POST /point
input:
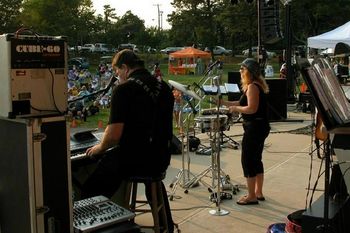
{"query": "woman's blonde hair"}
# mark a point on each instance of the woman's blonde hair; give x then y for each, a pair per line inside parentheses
(253, 68)
(245, 81)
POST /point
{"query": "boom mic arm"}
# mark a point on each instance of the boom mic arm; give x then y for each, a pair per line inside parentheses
(211, 67)
(110, 84)
(199, 87)
(103, 91)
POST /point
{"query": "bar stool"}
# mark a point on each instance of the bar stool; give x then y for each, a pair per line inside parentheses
(157, 207)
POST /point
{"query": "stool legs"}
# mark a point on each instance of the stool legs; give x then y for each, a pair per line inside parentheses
(156, 202)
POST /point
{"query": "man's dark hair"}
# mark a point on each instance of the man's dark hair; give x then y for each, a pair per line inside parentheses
(127, 57)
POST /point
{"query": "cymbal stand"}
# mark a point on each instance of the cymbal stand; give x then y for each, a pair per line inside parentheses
(184, 175)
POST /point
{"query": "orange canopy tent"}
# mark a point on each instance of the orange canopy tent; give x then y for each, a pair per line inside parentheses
(190, 52)
(190, 55)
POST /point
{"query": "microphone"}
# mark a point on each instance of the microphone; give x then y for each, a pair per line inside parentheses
(216, 81)
(110, 84)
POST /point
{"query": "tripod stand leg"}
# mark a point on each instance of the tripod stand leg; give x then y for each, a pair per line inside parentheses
(232, 142)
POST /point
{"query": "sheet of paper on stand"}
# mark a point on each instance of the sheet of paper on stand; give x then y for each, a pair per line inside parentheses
(232, 88)
(228, 87)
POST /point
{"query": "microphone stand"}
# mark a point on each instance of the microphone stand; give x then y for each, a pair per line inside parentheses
(217, 144)
(87, 96)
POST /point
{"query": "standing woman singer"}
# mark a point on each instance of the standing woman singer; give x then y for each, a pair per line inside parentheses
(253, 107)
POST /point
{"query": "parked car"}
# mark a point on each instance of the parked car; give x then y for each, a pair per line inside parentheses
(76, 48)
(78, 62)
(102, 48)
(88, 48)
(132, 47)
(219, 50)
(254, 53)
(169, 50)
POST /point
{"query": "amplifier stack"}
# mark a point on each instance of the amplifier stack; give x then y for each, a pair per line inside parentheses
(33, 75)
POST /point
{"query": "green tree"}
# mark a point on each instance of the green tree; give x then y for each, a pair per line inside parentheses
(313, 17)
(128, 29)
(73, 18)
(9, 11)
(194, 22)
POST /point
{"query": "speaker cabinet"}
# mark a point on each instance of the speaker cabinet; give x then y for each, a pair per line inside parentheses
(313, 218)
(35, 174)
(234, 78)
(270, 23)
(277, 98)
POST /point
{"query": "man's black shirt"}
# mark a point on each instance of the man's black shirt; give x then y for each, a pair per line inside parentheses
(145, 106)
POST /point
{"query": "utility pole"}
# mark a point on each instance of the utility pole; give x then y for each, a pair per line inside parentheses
(159, 15)
(161, 19)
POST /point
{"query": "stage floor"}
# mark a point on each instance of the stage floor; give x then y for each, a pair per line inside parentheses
(287, 169)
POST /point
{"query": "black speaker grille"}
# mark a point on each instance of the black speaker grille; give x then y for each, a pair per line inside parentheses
(270, 23)
(277, 98)
(235, 78)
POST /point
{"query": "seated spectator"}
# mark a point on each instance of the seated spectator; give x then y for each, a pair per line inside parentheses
(93, 109)
(105, 101)
(77, 110)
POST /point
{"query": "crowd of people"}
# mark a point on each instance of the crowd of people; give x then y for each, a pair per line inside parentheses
(84, 91)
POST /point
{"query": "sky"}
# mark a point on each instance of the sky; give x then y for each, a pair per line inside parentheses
(144, 9)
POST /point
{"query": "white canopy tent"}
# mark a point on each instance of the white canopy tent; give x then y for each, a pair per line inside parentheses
(331, 38)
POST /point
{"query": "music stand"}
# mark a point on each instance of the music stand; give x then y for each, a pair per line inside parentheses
(333, 107)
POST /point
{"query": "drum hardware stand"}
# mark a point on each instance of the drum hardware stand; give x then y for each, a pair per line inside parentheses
(217, 173)
(233, 144)
(183, 176)
(218, 211)
(213, 168)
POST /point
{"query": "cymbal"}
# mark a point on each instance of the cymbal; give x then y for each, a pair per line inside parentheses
(184, 89)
